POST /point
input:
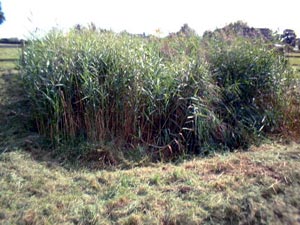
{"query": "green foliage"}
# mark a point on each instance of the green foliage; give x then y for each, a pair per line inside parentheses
(2, 18)
(241, 29)
(169, 95)
(250, 76)
(104, 86)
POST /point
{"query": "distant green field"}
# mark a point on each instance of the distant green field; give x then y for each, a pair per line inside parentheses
(294, 61)
(295, 54)
(7, 55)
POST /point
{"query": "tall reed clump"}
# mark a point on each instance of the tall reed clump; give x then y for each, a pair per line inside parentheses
(102, 86)
(168, 96)
(251, 77)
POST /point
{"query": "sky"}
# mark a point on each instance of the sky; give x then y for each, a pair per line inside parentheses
(25, 17)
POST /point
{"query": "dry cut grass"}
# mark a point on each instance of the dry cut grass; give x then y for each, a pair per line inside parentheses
(261, 186)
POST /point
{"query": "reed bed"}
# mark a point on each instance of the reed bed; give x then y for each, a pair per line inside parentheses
(168, 96)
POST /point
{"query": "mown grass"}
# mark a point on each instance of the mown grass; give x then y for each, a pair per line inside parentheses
(13, 109)
(261, 186)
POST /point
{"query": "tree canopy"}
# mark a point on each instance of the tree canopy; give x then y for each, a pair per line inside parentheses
(289, 37)
(2, 18)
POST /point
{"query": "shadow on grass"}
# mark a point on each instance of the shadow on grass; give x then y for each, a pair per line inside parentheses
(16, 128)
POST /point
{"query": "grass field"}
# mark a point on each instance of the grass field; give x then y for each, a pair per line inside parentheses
(8, 53)
(294, 60)
(260, 186)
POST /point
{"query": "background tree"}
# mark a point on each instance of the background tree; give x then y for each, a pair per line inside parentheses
(186, 31)
(289, 37)
(2, 18)
(240, 29)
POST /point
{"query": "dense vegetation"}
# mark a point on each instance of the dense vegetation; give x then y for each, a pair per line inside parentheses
(159, 97)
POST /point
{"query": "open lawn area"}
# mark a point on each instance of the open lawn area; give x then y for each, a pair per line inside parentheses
(261, 186)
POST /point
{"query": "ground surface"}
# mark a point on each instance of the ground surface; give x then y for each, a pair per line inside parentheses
(260, 186)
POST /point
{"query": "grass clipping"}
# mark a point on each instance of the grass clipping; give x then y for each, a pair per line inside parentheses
(256, 187)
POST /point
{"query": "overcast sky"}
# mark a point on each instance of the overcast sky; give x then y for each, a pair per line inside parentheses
(138, 16)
